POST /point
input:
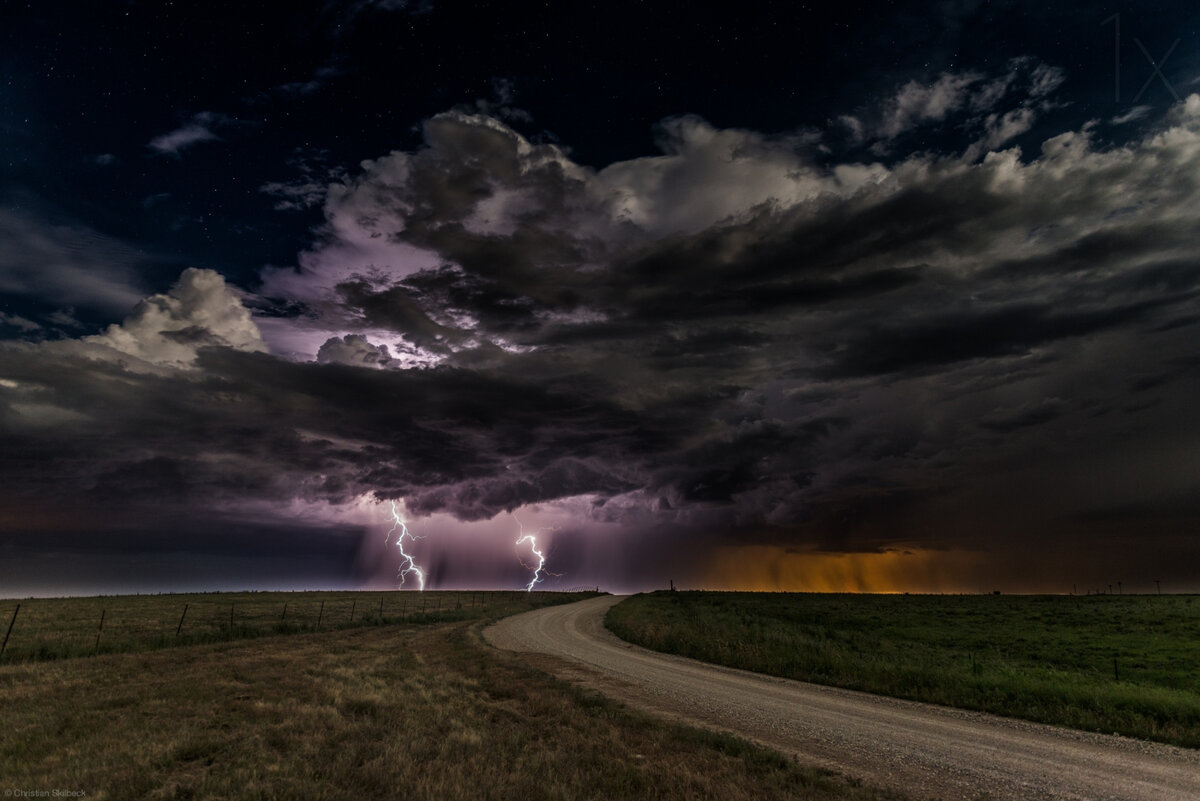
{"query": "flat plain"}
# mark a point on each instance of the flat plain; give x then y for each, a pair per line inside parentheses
(1109, 663)
(414, 706)
(57, 628)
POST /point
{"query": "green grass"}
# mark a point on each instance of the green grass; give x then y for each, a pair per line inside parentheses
(416, 710)
(59, 628)
(1042, 658)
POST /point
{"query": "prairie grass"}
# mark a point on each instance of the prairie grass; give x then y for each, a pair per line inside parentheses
(59, 628)
(413, 711)
(1123, 664)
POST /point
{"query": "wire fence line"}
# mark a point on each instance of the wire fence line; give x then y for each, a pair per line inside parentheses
(54, 628)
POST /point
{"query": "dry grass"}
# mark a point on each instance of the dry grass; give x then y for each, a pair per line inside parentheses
(409, 711)
(59, 628)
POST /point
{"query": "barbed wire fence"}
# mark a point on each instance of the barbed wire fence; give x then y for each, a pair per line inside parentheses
(56, 628)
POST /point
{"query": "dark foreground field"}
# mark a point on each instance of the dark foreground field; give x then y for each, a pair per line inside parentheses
(1125, 664)
(415, 710)
(57, 628)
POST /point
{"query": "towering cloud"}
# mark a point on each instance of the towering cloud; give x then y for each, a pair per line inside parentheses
(199, 311)
(742, 334)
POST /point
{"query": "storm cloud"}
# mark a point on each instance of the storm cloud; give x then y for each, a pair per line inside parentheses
(741, 334)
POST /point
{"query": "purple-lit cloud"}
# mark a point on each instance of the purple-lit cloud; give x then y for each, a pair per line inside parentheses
(741, 337)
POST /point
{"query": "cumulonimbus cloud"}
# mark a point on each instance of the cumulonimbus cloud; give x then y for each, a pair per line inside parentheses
(736, 333)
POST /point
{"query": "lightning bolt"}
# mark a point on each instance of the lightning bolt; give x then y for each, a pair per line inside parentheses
(541, 565)
(409, 565)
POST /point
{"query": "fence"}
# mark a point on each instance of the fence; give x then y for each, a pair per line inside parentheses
(54, 628)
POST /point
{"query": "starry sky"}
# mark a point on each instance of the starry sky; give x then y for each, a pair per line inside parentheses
(781, 296)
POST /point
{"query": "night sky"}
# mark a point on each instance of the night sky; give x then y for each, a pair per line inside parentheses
(865, 297)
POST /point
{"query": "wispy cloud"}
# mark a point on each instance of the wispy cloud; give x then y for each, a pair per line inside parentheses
(18, 322)
(312, 185)
(319, 80)
(417, 7)
(198, 129)
(295, 195)
(999, 107)
(917, 103)
(65, 263)
(1133, 115)
(150, 201)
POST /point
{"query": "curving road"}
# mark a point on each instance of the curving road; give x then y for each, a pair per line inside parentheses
(923, 750)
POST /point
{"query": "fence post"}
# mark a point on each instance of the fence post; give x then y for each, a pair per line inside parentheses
(352, 605)
(1116, 673)
(10, 627)
(283, 617)
(320, 614)
(381, 607)
(179, 628)
(100, 630)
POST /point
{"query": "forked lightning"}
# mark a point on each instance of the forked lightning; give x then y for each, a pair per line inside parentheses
(409, 565)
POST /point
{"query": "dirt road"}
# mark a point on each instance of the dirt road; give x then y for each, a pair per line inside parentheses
(926, 751)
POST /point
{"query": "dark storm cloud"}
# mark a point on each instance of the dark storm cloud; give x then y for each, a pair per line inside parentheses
(1029, 414)
(762, 271)
(732, 333)
(246, 426)
(932, 342)
(919, 274)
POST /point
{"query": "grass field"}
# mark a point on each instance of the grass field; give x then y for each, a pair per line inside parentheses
(414, 710)
(56, 628)
(1126, 664)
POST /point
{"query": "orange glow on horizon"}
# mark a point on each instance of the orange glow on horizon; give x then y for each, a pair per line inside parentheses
(772, 568)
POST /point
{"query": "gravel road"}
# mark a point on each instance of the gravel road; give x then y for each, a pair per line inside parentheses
(926, 751)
